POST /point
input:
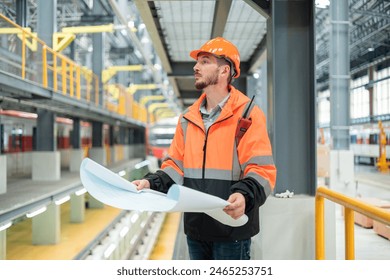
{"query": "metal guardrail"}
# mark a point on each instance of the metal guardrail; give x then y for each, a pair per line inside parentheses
(37, 62)
(28, 57)
(44, 201)
(351, 205)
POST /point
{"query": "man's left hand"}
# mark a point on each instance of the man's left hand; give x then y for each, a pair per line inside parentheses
(237, 205)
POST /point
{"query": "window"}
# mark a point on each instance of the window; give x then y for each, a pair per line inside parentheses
(323, 108)
(381, 92)
(360, 100)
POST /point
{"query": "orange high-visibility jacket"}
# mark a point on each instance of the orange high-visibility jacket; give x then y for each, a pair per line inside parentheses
(210, 162)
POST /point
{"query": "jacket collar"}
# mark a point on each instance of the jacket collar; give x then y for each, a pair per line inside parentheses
(235, 101)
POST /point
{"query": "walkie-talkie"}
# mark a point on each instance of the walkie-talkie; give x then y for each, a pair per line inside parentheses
(244, 123)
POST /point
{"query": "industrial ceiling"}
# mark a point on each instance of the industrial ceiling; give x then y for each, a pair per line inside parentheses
(174, 28)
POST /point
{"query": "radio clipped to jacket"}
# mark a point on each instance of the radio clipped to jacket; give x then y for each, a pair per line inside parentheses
(244, 122)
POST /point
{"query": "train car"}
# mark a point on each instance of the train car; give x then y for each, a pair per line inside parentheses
(18, 139)
(365, 142)
(159, 137)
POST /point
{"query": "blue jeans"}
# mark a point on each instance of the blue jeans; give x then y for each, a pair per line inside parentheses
(230, 250)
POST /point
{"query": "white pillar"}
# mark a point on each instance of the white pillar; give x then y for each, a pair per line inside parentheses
(131, 148)
(3, 174)
(3, 244)
(77, 208)
(126, 152)
(46, 166)
(76, 157)
(113, 151)
(46, 227)
(341, 169)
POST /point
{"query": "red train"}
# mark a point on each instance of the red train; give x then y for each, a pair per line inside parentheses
(159, 136)
(18, 130)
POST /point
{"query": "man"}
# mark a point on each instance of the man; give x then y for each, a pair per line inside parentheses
(206, 155)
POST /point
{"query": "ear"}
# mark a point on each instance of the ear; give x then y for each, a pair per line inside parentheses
(226, 69)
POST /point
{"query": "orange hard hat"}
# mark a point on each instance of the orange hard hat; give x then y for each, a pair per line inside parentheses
(221, 47)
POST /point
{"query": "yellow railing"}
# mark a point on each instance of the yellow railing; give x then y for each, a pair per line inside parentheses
(120, 101)
(351, 205)
(38, 63)
(33, 60)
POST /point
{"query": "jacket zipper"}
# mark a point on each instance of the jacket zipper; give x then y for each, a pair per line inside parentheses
(205, 146)
(205, 141)
(204, 153)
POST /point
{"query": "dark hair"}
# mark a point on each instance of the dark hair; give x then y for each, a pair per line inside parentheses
(223, 61)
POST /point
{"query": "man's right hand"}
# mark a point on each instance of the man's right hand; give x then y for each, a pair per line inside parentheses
(142, 184)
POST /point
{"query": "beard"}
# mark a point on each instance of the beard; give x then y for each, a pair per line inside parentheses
(212, 79)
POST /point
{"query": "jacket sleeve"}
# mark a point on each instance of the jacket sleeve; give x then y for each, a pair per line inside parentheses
(159, 181)
(172, 167)
(255, 156)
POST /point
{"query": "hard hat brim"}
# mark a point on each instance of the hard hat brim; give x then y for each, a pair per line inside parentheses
(194, 54)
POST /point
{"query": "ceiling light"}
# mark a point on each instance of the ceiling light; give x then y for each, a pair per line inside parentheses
(145, 40)
(157, 66)
(80, 192)
(322, 4)
(134, 218)
(5, 226)
(62, 200)
(124, 231)
(36, 212)
(109, 250)
(122, 173)
(133, 240)
(131, 24)
(142, 164)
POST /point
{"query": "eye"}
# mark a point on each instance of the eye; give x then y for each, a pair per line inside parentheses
(203, 60)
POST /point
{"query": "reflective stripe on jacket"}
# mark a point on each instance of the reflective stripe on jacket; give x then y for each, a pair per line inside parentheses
(210, 162)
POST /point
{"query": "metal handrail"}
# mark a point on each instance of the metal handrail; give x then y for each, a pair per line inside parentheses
(351, 205)
(65, 76)
(68, 76)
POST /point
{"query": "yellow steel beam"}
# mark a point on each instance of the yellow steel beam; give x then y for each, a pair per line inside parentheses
(155, 106)
(108, 73)
(30, 40)
(14, 30)
(62, 40)
(135, 87)
(89, 29)
(147, 98)
(164, 112)
(137, 67)
(113, 91)
(23, 34)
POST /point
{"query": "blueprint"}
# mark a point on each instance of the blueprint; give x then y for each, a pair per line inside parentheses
(111, 189)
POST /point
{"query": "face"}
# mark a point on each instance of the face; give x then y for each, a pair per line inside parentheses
(206, 71)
